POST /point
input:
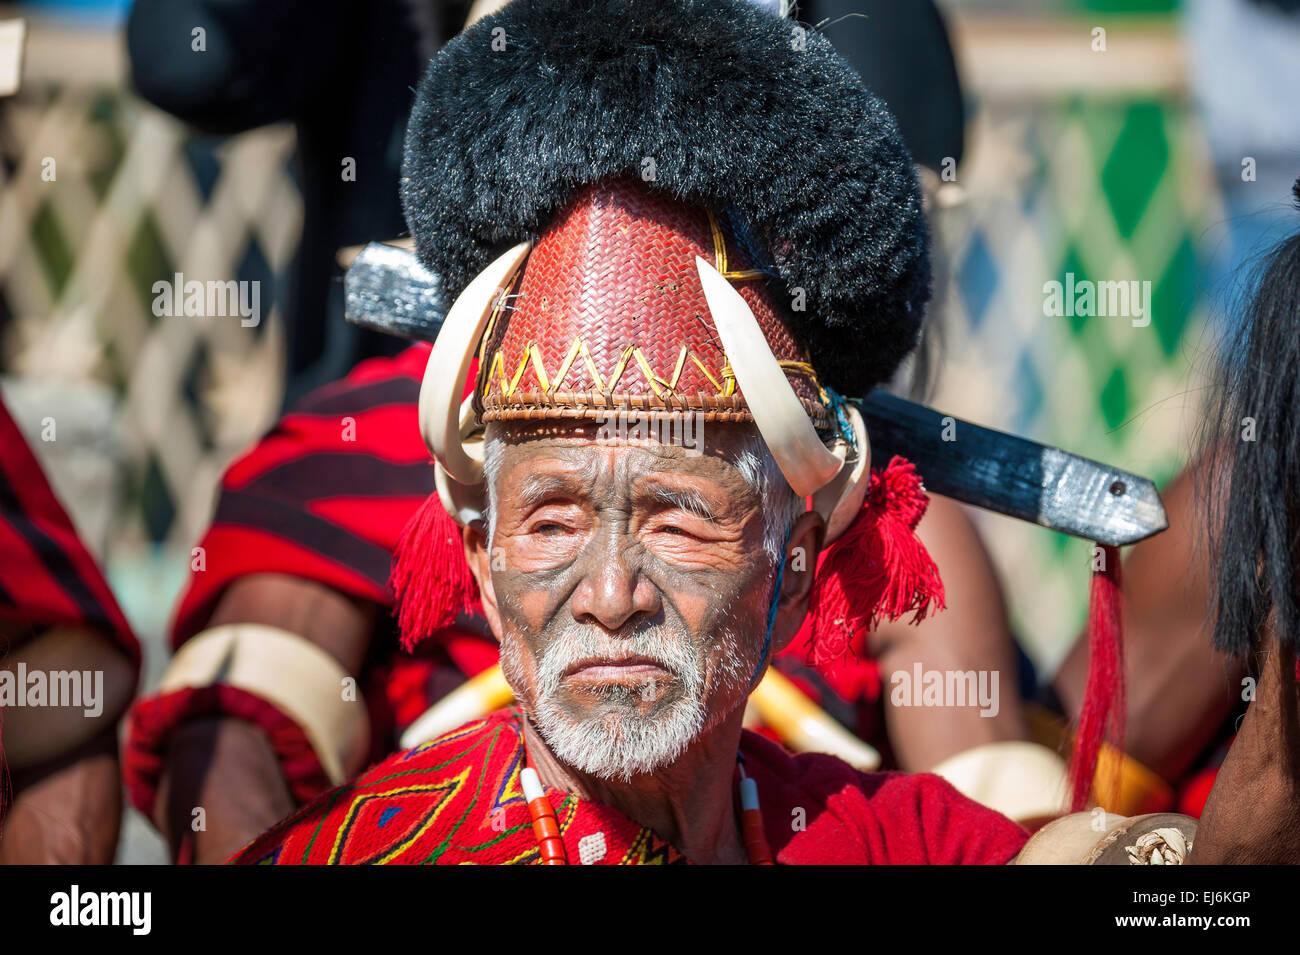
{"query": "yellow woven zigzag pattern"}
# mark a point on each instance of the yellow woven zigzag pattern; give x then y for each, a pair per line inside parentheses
(723, 380)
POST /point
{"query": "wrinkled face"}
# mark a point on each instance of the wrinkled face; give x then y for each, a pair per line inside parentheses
(632, 587)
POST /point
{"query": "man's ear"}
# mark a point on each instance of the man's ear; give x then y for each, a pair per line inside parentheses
(475, 541)
(801, 553)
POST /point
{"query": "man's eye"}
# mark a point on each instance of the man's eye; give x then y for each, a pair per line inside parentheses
(675, 530)
(549, 529)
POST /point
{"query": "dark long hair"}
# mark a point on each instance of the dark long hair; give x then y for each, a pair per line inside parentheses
(1252, 445)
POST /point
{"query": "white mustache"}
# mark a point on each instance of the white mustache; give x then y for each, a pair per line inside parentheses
(575, 644)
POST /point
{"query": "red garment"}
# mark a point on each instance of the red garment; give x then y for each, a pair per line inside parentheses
(47, 576)
(457, 799)
(325, 494)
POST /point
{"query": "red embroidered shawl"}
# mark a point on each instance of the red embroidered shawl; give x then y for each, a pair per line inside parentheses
(457, 799)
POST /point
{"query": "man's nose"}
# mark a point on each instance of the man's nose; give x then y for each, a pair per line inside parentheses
(613, 590)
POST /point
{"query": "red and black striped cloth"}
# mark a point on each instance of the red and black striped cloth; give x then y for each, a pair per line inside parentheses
(47, 576)
(325, 494)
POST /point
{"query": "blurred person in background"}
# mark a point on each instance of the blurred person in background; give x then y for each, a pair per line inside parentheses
(1213, 621)
(1192, 595)
(1251, 495)
(68, 670)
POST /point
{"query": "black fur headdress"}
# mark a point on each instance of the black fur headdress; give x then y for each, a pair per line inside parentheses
(736, 108)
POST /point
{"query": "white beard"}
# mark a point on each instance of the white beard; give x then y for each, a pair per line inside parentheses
(622, 742)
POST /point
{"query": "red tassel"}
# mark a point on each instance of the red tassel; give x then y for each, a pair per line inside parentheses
(430, 578)
(1103, 700)
(877, 569)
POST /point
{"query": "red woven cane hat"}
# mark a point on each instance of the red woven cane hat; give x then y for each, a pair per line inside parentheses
(609, 314)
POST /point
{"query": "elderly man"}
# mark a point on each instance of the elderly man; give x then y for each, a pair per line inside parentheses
(628, 582)
(303, 539)
(630, 596)
(655, 453)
